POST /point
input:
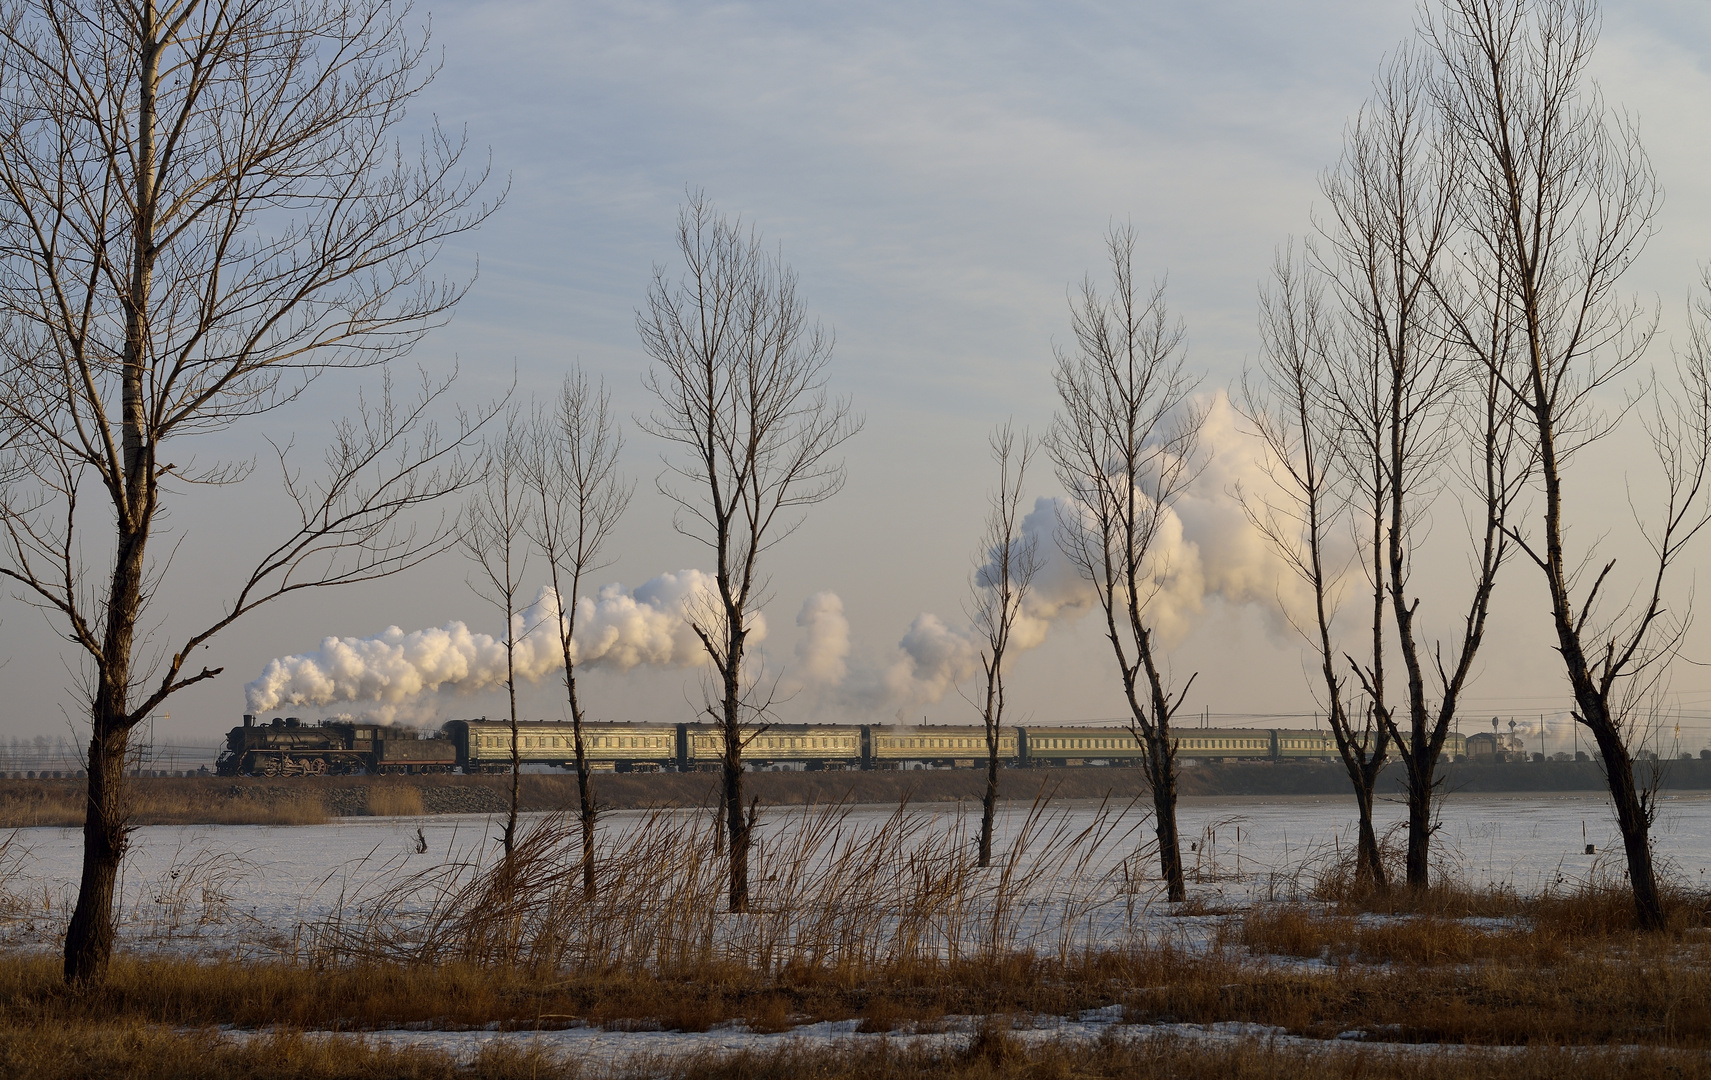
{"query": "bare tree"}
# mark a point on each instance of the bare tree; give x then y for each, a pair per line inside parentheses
(1125, 442)
(1291, 404)
(202, 209)
(494, 534)
(740, 375)
(1008, 561)
(580, 495)
(1414, 407)
(1558, 201)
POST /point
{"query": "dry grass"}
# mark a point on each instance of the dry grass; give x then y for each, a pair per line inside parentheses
(830, 899)
(395, 800)
(892, 924)
(1656, 998)
(13, 855)
(50, 1051)
(1006, 1058)
(1419, 941)
(60, 1052)
(32, 803)
(160, 801)
(1403, 978)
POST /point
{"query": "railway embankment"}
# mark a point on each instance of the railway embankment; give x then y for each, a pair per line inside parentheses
(311, 800)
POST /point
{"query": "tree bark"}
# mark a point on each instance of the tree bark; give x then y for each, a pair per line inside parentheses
(989, 803)
(736, 824)
(1161, 759)
(106, 830)
(1161, 777)
(90, 933)
(587, 815)
(1421, 767)
(1369, 865)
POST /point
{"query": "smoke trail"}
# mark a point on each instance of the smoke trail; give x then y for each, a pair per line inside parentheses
(616, 629)
(823, 649)
(1205, 548)
(932, 658)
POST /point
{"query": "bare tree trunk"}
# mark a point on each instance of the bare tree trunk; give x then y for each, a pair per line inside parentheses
(1125, 442)
(1161, 778)
(516, 752)
(1369, 862)
(1005, 569)
(151, 213)
(736, 824)
(1293, 409)
(1422, 784)
(1161, 759)
(989, 802)
(573, 468)
(740, 378)
(1634, 819)
(587, 816)
(720, 828)
(493, 531)
(1363, 751)
(1560, 201)
(89, 935)
(1405, 390)
(106, 834)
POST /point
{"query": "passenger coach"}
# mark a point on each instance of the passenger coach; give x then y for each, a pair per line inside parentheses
(806, 746)
(485, 745)
(934, 745)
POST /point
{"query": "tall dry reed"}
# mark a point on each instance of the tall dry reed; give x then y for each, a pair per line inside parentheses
(833, 897)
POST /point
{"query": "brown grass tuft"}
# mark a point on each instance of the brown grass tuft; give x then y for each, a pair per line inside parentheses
(994, 1043)
(46, 1051)
(395, 800)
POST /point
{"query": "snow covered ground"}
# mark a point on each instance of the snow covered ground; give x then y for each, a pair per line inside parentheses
(256, 890)
(225, 888)
(596, 1047)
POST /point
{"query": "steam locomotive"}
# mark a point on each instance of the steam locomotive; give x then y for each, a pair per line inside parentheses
(287, 747)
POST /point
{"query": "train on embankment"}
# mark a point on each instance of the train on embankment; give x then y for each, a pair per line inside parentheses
(288, 747)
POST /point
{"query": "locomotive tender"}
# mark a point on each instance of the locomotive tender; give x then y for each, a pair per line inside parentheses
(289, 748)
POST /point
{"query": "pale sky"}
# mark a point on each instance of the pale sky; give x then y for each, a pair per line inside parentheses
(938, 175)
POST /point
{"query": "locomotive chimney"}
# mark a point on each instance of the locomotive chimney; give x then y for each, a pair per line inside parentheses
(249, 719)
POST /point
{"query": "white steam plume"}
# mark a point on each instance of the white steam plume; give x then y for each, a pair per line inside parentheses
(616, 629)
(822, 652)
(1205, 548)
(932, 658)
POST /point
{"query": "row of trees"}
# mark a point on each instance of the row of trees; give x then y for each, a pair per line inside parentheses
(206, 206)
(1452, 335)
(550, 489)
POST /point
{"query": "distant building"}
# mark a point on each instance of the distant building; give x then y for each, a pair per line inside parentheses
(1494, 746)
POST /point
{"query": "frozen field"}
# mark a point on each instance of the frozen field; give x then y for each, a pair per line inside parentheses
(253, 887)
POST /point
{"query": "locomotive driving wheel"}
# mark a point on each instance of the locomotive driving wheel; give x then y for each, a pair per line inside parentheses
(268, 766)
